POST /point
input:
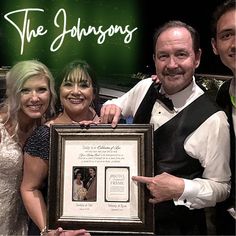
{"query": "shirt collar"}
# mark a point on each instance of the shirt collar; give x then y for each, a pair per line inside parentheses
(185, 96)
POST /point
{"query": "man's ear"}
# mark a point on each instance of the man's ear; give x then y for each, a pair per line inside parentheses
(214, 46)
(198, 58)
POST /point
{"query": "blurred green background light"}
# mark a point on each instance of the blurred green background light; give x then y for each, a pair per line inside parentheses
(111, 57)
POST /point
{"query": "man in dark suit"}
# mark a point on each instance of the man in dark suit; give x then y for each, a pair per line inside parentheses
(224, 45)
(91, 185)
(191, 137)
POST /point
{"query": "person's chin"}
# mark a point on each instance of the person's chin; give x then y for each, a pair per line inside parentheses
(35, 115)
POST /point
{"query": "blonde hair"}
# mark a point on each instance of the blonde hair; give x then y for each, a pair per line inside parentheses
(15, 79)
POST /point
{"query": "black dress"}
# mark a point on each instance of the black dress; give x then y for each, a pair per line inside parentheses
(38, 145)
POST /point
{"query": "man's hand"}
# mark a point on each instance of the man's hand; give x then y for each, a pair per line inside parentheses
(155, 78)
(162, 187)
(110, 114)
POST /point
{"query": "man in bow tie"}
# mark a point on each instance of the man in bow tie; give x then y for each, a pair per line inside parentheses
(191, 142)
(224, 45)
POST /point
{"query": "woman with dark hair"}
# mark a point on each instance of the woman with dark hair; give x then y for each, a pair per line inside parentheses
(77, 70)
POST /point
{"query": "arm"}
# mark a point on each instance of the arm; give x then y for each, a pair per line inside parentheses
(35, 172)
(212, 148)
(110, 113)
(126, 105)
(162, 187)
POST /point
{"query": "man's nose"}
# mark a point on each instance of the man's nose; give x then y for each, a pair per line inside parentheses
(233, 43)
(172, 62)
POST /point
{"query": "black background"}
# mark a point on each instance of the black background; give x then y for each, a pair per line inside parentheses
(196, 13)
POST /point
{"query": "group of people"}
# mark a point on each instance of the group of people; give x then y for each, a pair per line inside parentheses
(26, 116)
(194, 140)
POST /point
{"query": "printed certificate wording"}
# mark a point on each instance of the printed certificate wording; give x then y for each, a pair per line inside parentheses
(117, 184)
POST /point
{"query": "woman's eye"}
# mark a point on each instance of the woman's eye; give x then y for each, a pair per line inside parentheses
(42, 90)
(25, 91)
(68, 84)
(84, 84)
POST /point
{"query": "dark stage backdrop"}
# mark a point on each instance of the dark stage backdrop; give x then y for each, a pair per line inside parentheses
(114, 36)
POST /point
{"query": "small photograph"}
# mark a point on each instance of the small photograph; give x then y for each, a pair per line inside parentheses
(79, 191)
(84, 183)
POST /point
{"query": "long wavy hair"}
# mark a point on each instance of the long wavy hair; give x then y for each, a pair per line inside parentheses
(15, 79)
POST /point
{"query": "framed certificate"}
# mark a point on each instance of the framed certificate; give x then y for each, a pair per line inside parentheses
(90, 183)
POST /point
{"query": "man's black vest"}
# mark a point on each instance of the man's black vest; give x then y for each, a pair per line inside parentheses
(170, 157)
(223, 99)
(225, 224)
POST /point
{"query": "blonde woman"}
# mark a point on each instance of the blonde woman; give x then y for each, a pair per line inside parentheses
(30, 100)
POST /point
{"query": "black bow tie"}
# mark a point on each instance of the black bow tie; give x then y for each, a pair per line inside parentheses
(165, 100)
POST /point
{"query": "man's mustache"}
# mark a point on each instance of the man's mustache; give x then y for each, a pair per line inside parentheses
(173, 72)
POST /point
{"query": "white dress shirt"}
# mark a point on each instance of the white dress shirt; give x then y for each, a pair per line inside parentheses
(209, 143)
